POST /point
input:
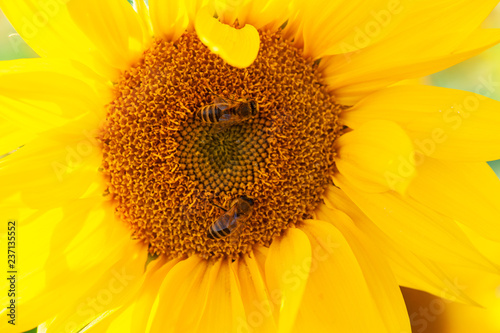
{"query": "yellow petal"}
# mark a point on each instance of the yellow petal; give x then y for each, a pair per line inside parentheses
(294, 28)
(182, 296)
(254, 294)
(81, 231)
(238, 47)
(378, 275)
(40, 94)
(228, 11)
(271, 14)
(119, 320)
(483, 287)
(107, 39)
(466, 192)
(169, 18)
(260, 254)
(192, 8)
(117, 285)
(48, 173)
(409, 269)
(134, 316)
(416, 227)
(35, 284)
(147, 26)
(224, 311)
(470, 280)
(336, 295)
(62, 245)
(13, 137)
(345, 26)
(376, 157)
(442, 123)
(355, 75)
(114, 28)
(145, 301)
(287, 270)
(358, 24)
(259, 13)
(32, 219)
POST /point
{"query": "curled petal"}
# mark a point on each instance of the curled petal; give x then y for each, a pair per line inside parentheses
(238, 47)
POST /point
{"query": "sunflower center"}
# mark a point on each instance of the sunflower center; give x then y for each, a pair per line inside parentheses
(188, 182)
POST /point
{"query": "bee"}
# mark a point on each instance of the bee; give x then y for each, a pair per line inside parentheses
(230, 223)
(227, 111)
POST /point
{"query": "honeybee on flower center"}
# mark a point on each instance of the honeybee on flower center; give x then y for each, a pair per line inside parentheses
(233, 219)
(227, 111)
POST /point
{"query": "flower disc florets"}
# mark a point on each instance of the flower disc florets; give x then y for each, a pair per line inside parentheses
(167, 170)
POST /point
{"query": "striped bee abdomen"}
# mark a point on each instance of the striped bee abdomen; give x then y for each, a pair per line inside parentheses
(209, 114)
(221, 228)
(216, 234)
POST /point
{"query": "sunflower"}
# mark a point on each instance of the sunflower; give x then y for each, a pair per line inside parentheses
(127, 190)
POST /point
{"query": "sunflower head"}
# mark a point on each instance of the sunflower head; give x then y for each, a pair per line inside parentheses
(173, 166)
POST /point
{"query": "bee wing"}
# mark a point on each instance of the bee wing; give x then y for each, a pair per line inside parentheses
(239, 225)
(235, 225)
(233, 217)
(226, 118)
(221, 103)
(225, 224)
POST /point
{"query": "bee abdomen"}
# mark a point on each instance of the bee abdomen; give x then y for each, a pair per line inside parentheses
(215, 232)
(209, 114)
